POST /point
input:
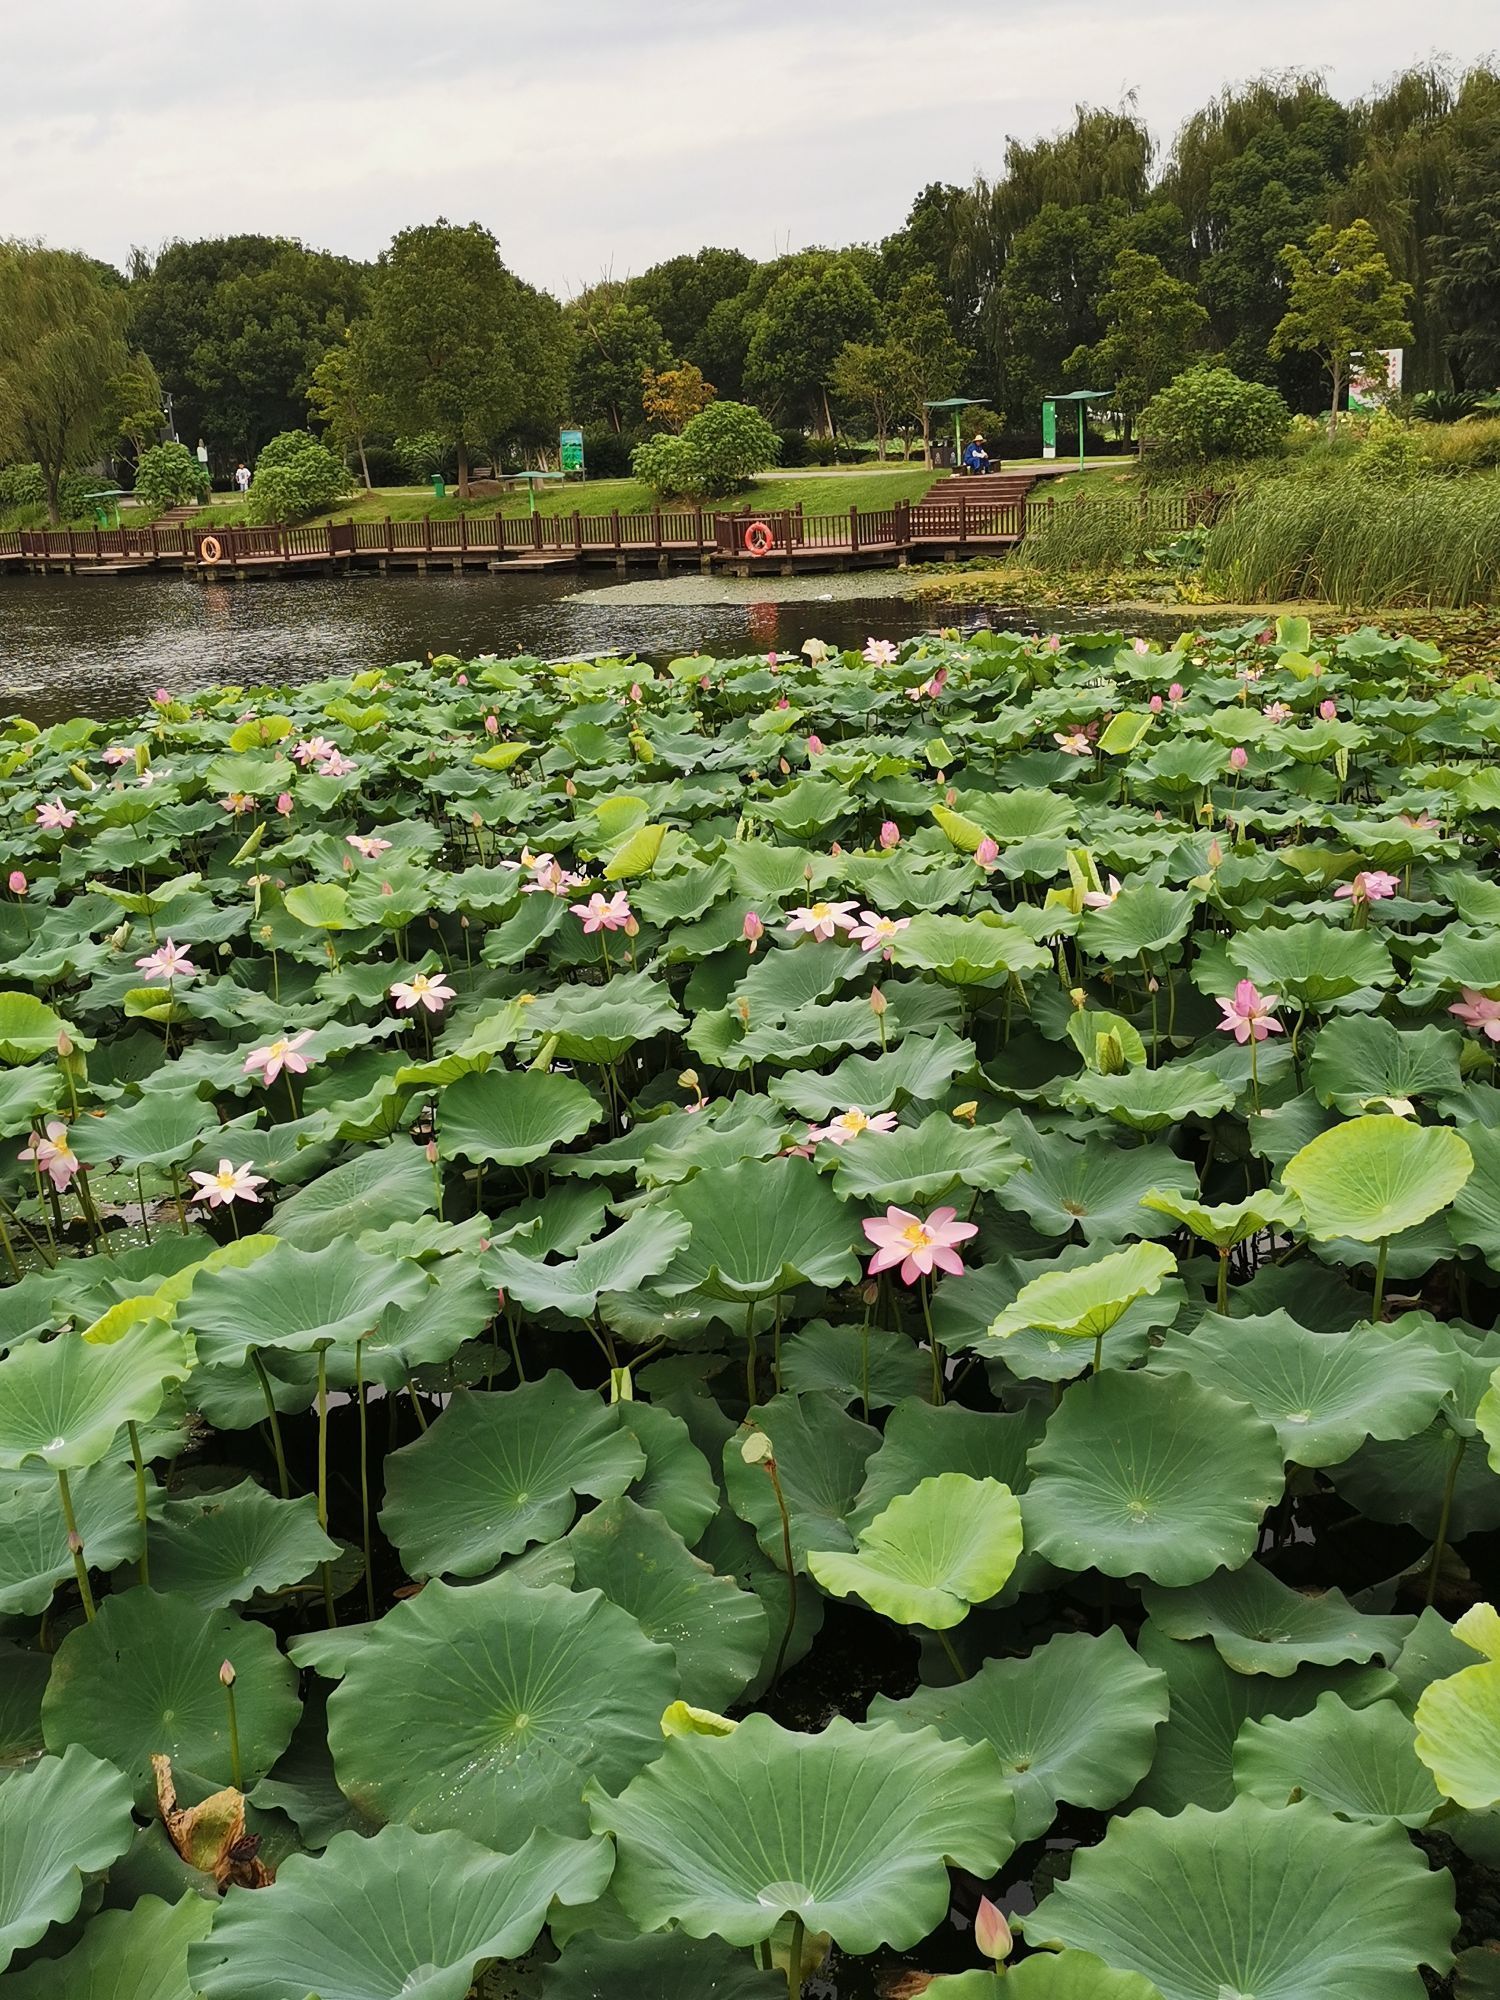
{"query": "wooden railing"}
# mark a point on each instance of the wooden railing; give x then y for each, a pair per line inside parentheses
(933, 525)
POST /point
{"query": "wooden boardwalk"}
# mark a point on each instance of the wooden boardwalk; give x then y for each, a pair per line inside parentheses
(931, 530)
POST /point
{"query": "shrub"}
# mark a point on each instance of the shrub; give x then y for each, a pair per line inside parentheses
(386, 468)
(1443, 406)
(295, 476)
(169, 475)
(606, 453)
(1391, 453)
(794, 447)
(424, 453)
(22, 486)
(1470, 446)
(723, 447)
(1211, 413)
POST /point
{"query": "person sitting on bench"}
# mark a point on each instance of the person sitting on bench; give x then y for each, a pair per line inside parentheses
(976, 458)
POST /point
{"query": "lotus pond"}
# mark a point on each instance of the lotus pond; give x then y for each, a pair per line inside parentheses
(813, 1325)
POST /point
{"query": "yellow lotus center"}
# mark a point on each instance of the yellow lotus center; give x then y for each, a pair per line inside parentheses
(224, 1180)
(851, 1121)
(276, 1049)
(917, 1236)
(820, 910)
(421, 983)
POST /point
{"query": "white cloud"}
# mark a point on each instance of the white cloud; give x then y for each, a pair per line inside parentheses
(606, 133)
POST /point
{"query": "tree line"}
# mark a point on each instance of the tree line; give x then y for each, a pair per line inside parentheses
(1092, 259)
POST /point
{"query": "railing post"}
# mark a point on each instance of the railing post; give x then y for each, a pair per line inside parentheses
(963, 521)
(537, 531)
(698, 529)
(463, 534)
(72, 551)
(656, 529)
(614, 520)
(427, 534)
(390, 535)
(577, 532)
(854, 531)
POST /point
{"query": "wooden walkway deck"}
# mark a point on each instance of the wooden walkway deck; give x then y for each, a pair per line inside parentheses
(925, 530)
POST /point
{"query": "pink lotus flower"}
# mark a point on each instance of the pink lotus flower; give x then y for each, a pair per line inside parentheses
(1328, 710)
(822, 920)
(849, 1124)
(603, 913)
(230, 1183)
(169, 961)
(1140, 646)
(157, 777)
(492, 725)
(890, 833)
(1421, 822)
(118, 754)
(815, 746)
(1277, 711)
(314, 750)
(1100, 899)
(548, 876)
(282, 1054)
(1239, 757)
(987, 853)
(919, 1247)
(752, 929)
(1477, 1010)
(992, 1933)
(1249, 1015)
(337, 765)
(161, 697)
(284, 803)
(238, 802)
(874, 930)
(1054, 643)
(1072, 742)
(879, 653)
(424, 989)
(462, 681)
(1155, 704)
(54, 816)
(368, 845)
(1176, 691)
(52, 1154)
(1370, 885)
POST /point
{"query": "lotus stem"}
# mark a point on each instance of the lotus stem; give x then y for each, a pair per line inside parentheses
(327, 1573)
(1098, 1352)
(140, 1195)
(960, 1672)
(75, 1545)
(1378, 1303)
(236, 1767)
(182, 1222)
(9, 1251)
(924, 1293)
(416, 1405)
(282, 1476)
(1444, 1518)
(794, 1959)
(140, 1502)
(1221, 1295)
(364, 1471)
(750, 1355)
(791, 1570)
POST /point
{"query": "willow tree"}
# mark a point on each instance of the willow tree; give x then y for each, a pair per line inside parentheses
(63, 360)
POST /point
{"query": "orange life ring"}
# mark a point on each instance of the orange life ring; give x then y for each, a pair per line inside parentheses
(760, 538)
(209, 549)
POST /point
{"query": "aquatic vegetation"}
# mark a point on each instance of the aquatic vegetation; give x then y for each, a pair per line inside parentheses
(666, 1328)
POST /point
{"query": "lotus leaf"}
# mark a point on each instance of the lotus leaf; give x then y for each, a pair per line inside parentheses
(1261, 1626)
(65, 1401)
(1085, 1302)
(135, 1954)
(950, 1543)
(1060, 1975)
(64, 1818)
(512, 1117)
(669, 1966)
(820, 1456)
(498, 1472)
(853, 1828)
(1074, 1721)
(1281, 1904)
(298, 1300)
(34, 1552)
(922, 1163)
(223, 1548)
(1458, 1719)
(920, 1441)
(402, 1913)
(488, 1708)
(382, 1185)
(1149, 1100)
(1377, 1175)
(1154, 1475)
(143, 1678)
(854, 1364)
(759, 1228)
(1359, 1763)
(642, 1247)
(678, 1482)
(1092, 1185)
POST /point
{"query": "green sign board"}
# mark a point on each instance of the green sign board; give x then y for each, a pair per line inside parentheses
(570, 450)
(1049, 430)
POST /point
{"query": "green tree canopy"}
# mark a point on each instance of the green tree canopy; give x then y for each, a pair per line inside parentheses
(615, 346)
(815, 308)
(456, 344)
(680, 293)
(1342, 300)
(63, 359)
(1153, 325)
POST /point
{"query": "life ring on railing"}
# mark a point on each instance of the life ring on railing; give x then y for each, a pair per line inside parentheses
(210, 549)
(759, 538)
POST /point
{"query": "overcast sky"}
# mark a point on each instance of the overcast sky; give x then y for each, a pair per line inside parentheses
(603, 135)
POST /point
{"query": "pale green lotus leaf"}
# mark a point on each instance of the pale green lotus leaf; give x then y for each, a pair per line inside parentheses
(1059, 1975)
(298, 1300)
(1085, 1301)
(1226, 1223)
(1375, 1176)
(65, 1401)
(759, 1228)
(513, 1117)
(1458, 1719)
(880, 1812)
(950, 1543)
(1257, 1902)
(34, 1553)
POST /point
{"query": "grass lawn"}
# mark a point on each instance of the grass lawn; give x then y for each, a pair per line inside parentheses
(822, 493)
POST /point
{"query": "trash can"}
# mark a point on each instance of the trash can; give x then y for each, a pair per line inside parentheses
(439, 487)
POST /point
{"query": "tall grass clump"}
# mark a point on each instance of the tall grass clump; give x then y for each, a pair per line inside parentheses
(1434, 543)
(1095, 535)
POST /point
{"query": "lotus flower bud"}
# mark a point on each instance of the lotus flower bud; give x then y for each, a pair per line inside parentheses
(17, 882)
(987, 853)
(754, 929)
(890, 834)
(688, 1079)
(432, 1152)
(226, 1674)
(878, 1001)
(1239, 757)
(992, 1932)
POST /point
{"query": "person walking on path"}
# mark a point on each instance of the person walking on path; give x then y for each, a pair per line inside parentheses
(242, 478)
